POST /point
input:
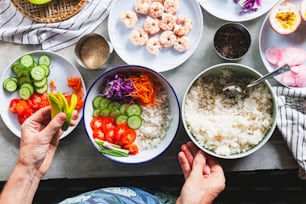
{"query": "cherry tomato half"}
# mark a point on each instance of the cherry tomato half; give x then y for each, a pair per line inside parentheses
(133, 149)
(13, 105)
(129, 137)
(96, 123)
(98, 134)
(22, 106)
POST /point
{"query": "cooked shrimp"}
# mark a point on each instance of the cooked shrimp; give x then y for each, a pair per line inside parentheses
(129, 18)
(154, 46)
(160, 1)
(142, 6)
(167, 21)
(182, 44)
(167, 38)
(183, 26)
(171, 6)
(139, 37)
(156, 9)
(151, 25)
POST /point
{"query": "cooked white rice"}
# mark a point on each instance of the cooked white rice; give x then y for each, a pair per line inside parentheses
(226, 125)
(155, 123)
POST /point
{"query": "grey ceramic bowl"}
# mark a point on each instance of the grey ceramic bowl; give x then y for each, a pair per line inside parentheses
(241, 71)
(232, 41)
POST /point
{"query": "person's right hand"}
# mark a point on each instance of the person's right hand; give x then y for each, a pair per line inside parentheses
(204, 176)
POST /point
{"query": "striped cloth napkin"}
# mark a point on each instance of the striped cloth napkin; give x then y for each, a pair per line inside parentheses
(291, 122)
(16, 28)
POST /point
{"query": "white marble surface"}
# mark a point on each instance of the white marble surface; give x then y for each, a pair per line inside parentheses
(76, 158)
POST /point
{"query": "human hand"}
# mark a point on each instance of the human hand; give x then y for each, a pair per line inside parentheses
(39, 140)
(204, 177)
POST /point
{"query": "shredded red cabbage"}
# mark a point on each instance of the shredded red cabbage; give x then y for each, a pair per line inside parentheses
(118, 89)
(248, 6)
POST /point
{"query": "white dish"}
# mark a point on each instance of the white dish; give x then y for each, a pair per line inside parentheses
(269, 38)
(168, 58)
(143, 155)
(229, 11)
(60, 70)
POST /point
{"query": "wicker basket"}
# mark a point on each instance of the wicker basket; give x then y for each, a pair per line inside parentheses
(55, 11)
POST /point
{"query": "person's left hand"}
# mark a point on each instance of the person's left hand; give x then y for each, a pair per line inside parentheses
(39, 140)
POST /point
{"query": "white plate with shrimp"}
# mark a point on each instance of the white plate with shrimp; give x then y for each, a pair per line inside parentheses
(229, 11)
(159, 58)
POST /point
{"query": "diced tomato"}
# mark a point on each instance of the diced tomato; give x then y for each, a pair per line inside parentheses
(22, 106)
(133, 149)
(110, 135)
(98, 134)
(22, 117)
(96, 123)
(129, 137)
(35, 100)
(13, 105)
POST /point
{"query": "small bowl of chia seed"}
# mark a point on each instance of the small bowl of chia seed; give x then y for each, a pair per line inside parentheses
(232, 41)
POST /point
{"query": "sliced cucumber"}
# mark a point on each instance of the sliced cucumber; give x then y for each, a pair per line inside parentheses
(134, 122)
(38, 73)
(10, 84)
(42, 89)
(27, 60)
(24, 93)
(114, 113)
(17, 67)
(114, 106)
(123, 108)
(96, 112)
(104, 112)
(44, 59)
(104, 103)
(121, 119)
(29, 86)
(133, 109)
(46, 68)
(96, 102)
(40, 83)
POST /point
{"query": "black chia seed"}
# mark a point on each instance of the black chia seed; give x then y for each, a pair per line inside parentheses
(231, 42)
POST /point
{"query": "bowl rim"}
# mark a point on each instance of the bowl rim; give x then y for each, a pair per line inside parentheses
(176, 102)
(267, 136)
(241, 27)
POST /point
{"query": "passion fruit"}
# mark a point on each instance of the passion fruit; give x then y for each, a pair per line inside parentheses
(285, 18)
(303, 9)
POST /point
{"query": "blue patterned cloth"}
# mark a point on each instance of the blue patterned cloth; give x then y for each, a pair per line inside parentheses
(119, 195)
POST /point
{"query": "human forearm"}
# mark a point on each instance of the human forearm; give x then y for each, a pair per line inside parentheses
(21, 186)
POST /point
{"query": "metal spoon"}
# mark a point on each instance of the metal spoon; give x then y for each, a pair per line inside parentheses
(233, 89)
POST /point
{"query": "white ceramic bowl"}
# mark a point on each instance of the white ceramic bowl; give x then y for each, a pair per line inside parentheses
(148, 154)
(241, 71)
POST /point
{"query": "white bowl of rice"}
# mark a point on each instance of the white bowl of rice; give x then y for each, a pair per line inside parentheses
(229, 127)
(141, 118)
